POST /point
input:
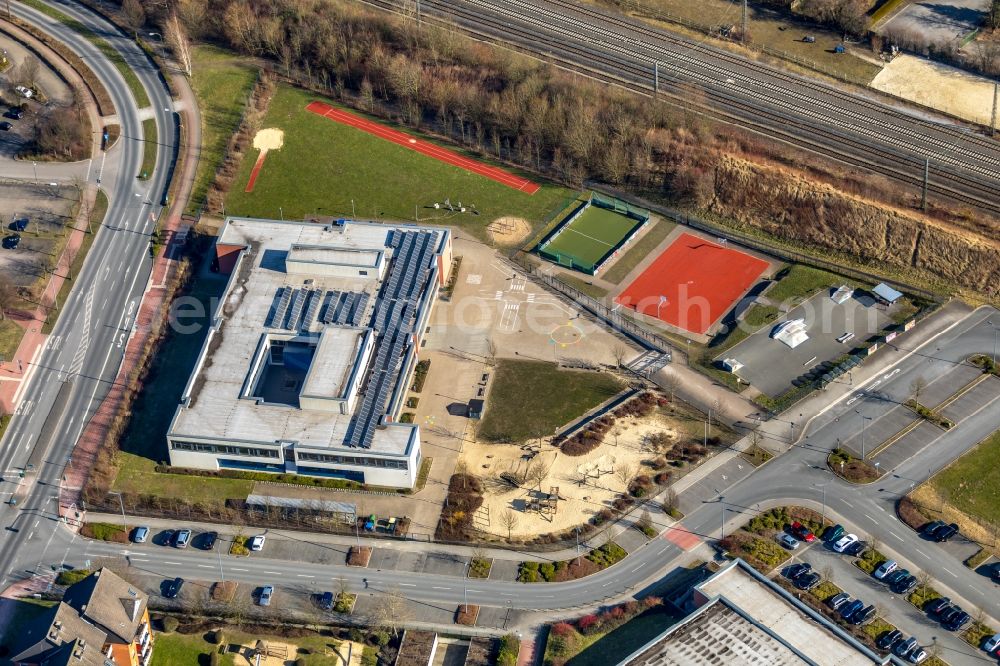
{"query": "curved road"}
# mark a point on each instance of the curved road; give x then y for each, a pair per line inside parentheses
(82, 356)
(797, 476)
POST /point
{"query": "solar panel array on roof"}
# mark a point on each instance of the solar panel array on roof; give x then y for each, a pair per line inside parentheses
(393, 323)
(278, 318)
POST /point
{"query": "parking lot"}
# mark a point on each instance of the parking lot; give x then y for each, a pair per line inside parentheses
(48, 211)
(770, 365)
(841, 571)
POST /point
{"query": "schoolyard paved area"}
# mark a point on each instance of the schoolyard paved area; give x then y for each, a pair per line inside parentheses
(898, 611)
(770, 366)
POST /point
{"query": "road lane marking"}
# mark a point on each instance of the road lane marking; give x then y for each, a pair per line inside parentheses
(871, 519)
(174, 563)
(206, 566)
(409, 585)
(921, 552)
(639, 567)
(895, 535)
(278, 573)
(240, 569)
(948, 571)
(440, 588)
(308, 576)
(882, 509)
(608, 583)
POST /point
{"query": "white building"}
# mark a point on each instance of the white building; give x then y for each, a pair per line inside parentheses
(311, 350)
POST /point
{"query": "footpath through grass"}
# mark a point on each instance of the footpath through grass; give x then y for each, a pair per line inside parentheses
(533, 398)
(131, 80)
(222, 82)
(328, 169)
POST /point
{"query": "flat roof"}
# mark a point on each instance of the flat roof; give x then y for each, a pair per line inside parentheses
(318, 254)
(335, 360)
(213, 408)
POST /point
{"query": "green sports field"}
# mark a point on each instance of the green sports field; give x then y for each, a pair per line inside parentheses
(590, 237)
(328, 169)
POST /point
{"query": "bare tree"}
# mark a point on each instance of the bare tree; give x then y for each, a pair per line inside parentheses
(619, 351)
(391, 611)
(923, 578)
(179, 42)
(669, 504)
(645, 522)
(134, 16)
(536, 473)
(624, 473)
(491, 351)
(509, 520)
(917, 387)
(27, 73)
(671, 383)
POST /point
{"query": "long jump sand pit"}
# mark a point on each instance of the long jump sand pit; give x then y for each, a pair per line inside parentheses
(270, 138)
(625, 446)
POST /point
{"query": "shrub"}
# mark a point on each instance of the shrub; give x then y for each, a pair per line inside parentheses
(71, 577)
(356, 635)
(663, 478)
(218, 637)
(105, 532)
(213, 659)
(562, 629)
(379, 638)
(169, 624)
(910, 513)
(588, 624)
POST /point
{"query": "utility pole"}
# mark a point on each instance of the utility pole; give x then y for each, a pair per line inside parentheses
(656, 81)
(993, 118)
(743, 28)
(927, 173)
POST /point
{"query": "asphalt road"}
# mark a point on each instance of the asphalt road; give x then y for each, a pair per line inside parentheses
(81, 358)
(798, 476)
(851, 128)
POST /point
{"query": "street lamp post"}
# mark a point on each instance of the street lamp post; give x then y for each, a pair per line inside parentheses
(122, 505)
(864, 422)
(995, 329)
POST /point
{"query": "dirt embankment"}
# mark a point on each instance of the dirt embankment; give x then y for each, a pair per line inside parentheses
(789, 207)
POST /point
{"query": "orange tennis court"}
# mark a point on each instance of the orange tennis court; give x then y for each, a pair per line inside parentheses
(427, 148)
(693, 283)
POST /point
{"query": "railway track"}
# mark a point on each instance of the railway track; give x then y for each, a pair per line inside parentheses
(854, 130)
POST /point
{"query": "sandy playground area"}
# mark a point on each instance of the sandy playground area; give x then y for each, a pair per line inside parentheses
(586, 483)
(269, 138)
(509, 230)
(285, 654)
(938, 86)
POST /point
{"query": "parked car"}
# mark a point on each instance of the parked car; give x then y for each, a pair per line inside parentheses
(898, 574)
(5, 126)
(265, 595)
(958, 621)
(935, 606)
(174, 588)
(11, 242)
(809, 39)
(140, 535)
(949, 613)
(888, 639)
(208, 540)
(885, 569)
(833, 533)
(945, 533)
(326, 601)
(905, 585)
(182, 538)
(844, 542)
(24, 91)
(862, 616)
(992, 643)
(797, 570)
(856, 548)
(257, 543)
(838, 600)
(13, 113)
(802, 533)
(19, 224)
(850, 609)
(917, 655)
(903, 647)
(808, 581)
(788, 541)
(930, 528)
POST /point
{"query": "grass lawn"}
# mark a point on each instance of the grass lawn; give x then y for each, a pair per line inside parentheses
(971, 483)
(534, 398)
(174, 649)
(659, 229)
(624, 640)
(324, 166)
(583, 284)
(10, 337)
(96, 218)
(136, 474)
(131, 80)
(221, 81)
(150, 143)
(801, 282)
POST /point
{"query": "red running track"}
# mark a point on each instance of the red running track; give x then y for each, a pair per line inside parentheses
(700, 279)
(424, 147)
(256, 170)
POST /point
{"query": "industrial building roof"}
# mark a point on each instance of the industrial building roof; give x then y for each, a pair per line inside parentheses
(323, 314)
